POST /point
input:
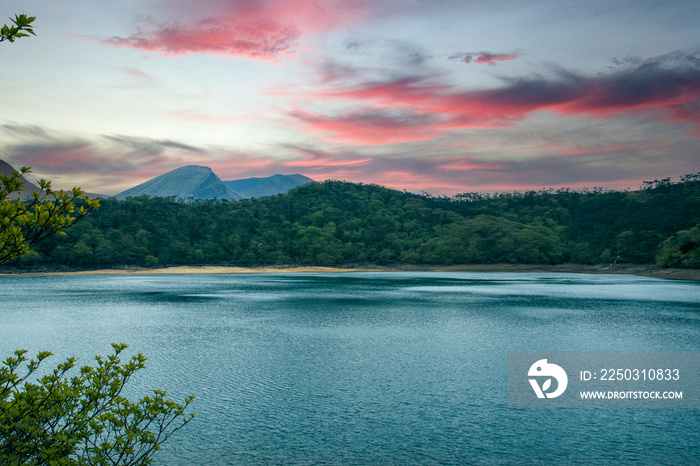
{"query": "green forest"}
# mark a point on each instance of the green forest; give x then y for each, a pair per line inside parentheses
(343, 223)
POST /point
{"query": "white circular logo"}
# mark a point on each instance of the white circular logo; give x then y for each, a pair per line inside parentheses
(542, 369)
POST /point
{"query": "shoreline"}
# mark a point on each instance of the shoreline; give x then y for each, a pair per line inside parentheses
(641, 270)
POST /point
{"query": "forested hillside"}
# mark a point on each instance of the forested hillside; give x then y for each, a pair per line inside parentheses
(338, 222)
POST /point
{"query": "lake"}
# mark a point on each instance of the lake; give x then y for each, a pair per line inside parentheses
(369, 368)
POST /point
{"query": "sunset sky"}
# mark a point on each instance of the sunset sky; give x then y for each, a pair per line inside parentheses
(438, 96)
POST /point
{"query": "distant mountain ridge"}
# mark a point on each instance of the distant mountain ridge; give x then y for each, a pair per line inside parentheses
(199, 182)
(269, 186)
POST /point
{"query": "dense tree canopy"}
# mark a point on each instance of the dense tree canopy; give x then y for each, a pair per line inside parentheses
(336, 222)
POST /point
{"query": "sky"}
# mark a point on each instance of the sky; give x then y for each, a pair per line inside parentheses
(438, 96)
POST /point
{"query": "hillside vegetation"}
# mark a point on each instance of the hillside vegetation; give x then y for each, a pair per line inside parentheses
(334, 222)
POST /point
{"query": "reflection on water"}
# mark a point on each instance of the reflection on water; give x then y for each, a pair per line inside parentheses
(369, 368)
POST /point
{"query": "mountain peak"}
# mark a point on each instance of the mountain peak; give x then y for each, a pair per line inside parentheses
(189, 181)
(192, 168)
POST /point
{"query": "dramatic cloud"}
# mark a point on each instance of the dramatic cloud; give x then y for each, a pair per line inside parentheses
(419, 108)
(483, 58)
(258, 30)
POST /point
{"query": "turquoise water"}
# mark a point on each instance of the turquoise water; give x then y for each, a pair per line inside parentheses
(369, 368)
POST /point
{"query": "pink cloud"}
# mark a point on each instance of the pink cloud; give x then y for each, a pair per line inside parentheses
(257, 30)
(483, 58)
(487, 58)
(260, 40)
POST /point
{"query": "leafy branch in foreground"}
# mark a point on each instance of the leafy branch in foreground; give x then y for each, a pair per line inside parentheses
(84, 419)
(22, 28)
(43, 214)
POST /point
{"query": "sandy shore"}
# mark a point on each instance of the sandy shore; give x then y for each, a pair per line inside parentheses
(648, 271)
